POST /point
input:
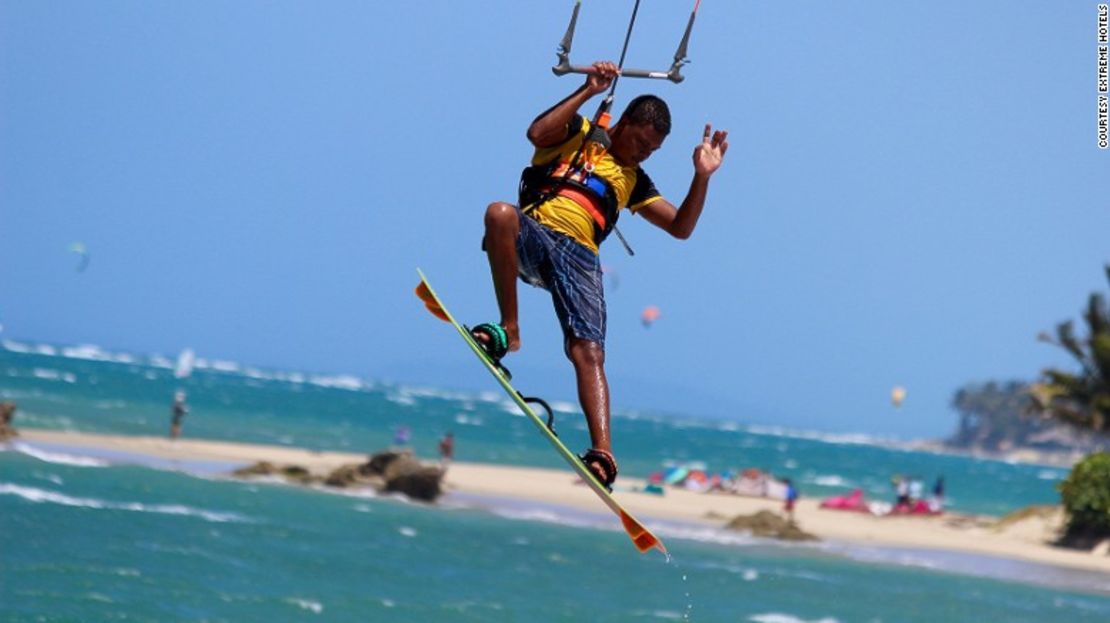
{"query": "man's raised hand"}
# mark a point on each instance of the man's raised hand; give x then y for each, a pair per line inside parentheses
(709, 153)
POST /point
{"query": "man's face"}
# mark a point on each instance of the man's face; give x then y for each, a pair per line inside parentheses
(632, 144)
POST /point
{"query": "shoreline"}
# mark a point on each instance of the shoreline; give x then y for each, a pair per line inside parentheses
(1022, 541)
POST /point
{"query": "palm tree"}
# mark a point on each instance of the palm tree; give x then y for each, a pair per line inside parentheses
(1081, 399)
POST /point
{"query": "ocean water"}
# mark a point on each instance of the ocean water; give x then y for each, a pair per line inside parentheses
(99, 540)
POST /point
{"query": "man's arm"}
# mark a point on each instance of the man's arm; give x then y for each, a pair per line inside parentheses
(550, 128)
(680, 222)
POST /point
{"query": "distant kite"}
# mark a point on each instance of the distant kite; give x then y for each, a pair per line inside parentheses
(185, 363)
(82, 253)
(897, 395)
(650, 314)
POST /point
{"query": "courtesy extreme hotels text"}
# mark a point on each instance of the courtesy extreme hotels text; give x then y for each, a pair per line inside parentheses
(1103, 75)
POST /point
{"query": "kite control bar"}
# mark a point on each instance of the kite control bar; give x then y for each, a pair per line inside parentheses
(673, 74)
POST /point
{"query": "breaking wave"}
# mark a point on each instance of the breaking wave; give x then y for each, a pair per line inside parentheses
(43, 496)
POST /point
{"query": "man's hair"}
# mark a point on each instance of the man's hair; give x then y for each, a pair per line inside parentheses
(649, 109)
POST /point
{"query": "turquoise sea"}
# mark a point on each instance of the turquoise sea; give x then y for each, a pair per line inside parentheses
(99, 538)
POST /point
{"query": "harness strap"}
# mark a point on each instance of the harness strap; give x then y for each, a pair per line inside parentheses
(586, 202)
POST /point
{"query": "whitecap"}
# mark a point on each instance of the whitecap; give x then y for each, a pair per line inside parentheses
(491, 396)
(219, 365)
(832, 480)
(54, 478)
(16, 347)
(402, 399)
(466, 420)
(407, 531)
(564, 407)
(706, 535)
(48, 374)
(510, 407)
(833, 438)
(57, 457)
(778, 617)
(101, 597)
(40, 496)
(667, 615)
(109, 404)
(567, 518)
(90, 352)
(27, 349)
(342, 381)
(307, 604)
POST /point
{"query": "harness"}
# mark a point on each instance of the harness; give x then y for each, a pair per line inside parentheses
(542, 182)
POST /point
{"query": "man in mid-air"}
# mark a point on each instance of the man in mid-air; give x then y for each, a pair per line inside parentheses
(570, 200)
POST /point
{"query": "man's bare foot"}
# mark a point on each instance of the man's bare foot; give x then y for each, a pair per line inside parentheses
(512, 337)
(602, 464)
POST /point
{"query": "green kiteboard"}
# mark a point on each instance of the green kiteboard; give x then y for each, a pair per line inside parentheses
(641, 536)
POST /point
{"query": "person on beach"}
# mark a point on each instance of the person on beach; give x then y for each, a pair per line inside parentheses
(447, 448)
(902, 491)
(580, 179)
(917, 489)
(790, 499)
(177, 414)
(936, 503)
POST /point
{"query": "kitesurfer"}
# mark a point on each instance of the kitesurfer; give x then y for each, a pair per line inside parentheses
(570, 199)
(177, 414)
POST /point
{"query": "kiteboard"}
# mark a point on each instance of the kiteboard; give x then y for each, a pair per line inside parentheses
(641, 537)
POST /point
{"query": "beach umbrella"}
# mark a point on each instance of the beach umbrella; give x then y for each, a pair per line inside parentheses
(675, 475)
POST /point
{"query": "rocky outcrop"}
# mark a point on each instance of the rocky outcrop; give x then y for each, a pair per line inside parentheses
(386, 472)
(351, 476)
(291, 473)
(769, 525)
(7, 413)
(411, 477)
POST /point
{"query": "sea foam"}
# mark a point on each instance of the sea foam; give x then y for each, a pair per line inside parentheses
(43, 496)
(778, 617)
(57, 457)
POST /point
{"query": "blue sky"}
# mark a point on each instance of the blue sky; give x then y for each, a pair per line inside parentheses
(913, 191)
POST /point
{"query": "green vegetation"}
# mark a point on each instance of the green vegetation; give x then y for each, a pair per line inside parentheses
(1081, 399)
(997, 417)
(1086, 497)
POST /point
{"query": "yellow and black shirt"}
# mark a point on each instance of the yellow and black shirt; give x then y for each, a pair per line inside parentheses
(578, 214)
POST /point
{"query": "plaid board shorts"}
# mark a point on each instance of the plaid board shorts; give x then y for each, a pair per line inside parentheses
(570, 272)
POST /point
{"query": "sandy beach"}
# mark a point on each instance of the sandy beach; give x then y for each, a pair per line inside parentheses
(1027, 540)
